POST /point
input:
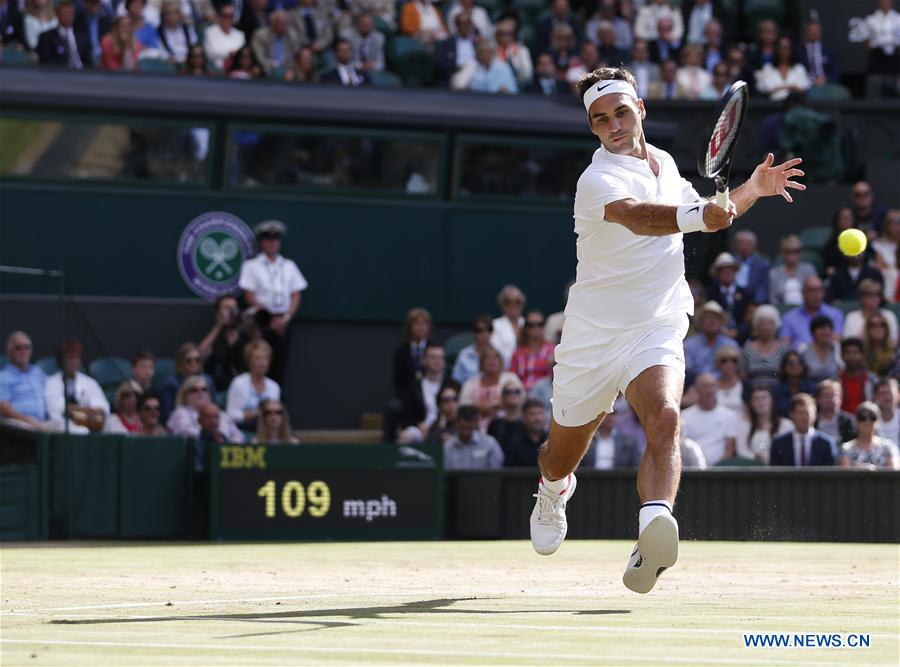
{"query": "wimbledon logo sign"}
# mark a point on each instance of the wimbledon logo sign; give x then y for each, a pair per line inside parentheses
(210, 253)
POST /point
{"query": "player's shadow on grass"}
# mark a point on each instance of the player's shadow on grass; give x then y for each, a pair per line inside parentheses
(302, 617)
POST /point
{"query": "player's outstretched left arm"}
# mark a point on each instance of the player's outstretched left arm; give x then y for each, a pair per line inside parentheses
(767, 180)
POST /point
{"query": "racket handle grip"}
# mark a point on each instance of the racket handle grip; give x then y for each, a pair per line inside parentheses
(722, 199)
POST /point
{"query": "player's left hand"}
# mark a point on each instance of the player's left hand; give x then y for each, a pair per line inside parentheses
(768, 180)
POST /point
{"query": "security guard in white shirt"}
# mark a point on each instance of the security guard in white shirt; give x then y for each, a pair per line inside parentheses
(272, 285)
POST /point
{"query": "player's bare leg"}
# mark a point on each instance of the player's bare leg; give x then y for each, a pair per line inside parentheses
(655, 396)
(558, 458)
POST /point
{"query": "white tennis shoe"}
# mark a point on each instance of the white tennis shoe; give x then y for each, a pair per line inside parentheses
(656, 550)
(548, 518)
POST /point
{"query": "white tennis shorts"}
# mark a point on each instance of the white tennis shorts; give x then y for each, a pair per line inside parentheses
(593, 365)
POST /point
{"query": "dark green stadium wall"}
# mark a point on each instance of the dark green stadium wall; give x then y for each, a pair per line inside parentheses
(364, 259)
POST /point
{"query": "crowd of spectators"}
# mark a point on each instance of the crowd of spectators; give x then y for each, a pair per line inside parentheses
(684, 50)
(780, 358)
(777, 355)
(226, 389)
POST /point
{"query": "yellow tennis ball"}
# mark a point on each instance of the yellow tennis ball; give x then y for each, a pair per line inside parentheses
(852, 242)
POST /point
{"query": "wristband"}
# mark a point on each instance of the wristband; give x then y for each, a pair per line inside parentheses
(690, 217)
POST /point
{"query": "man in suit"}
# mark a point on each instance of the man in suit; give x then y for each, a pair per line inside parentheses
(275, 46)
(253, 17)
(457, 51)
(12, 30)
(804, 445)
(818, 59)
(367, 44)
(92, 23)
(724, 290)
(546, 82)
(559, 15)
(61, 45)
(753, 272)
(611, 449)
(645, 72)
(344, 71)
(844, 282)
(665, 46)
(666, 88)
(313, 25)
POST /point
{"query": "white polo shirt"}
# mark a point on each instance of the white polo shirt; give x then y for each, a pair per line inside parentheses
(272, 282)
(625, 280)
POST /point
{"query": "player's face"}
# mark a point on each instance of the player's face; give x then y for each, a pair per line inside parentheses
(616, 120)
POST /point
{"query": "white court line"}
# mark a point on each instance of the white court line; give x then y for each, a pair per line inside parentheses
(614, 659)
(166, 603)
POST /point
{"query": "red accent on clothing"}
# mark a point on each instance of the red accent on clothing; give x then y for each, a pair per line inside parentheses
(532, 367)
(854, 390)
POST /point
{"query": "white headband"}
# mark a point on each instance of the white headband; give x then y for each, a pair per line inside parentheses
(607, 87)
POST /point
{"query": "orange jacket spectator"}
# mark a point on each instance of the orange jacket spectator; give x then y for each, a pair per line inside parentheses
(421, 20)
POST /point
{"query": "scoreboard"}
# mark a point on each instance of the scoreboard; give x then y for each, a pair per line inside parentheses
(323, 492)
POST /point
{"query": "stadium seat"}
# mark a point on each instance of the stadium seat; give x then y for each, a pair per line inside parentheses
(893, 307)
(530, 10)
(814, 238)
(13, 56)
(164, 368)
(829, 91)
(4, 361)
(384, 27)
(156, 66)
(385, 79)
(109, 371)
(410, 60)
(455, 343)
(847, 305)
(757, 10)
(47, 364)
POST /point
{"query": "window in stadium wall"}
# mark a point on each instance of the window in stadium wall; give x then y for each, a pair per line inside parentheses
(524, 169)
(98, 149)
(334, 159)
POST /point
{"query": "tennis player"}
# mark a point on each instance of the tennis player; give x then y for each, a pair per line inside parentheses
(627, 314)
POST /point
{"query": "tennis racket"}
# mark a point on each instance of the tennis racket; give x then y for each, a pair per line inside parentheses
(718, 146)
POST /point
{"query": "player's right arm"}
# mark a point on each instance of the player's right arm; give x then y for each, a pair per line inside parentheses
(649, 219)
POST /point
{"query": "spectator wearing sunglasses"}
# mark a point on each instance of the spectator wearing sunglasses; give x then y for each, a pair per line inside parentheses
(533, 359)
(466, 366)
(222, 39)
(274, 425)
(509, 417)
(729, 387)
(188, 361)
(126, 418)
(444, 427)
(485, 389)
(150, 411)
(192, 398)
(869, 450)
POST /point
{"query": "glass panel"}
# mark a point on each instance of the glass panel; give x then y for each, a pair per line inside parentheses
(535, 171)
(107, 151)
(333, 162)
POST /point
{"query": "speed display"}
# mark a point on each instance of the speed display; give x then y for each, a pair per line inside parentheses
(305, 492)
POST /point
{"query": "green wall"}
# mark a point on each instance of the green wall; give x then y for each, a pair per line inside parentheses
(367, 259)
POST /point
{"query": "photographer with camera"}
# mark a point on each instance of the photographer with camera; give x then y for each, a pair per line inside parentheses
(223, 347)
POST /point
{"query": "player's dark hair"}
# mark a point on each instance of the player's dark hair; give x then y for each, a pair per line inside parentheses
(604, 74)
(851, 342)
(820, 321)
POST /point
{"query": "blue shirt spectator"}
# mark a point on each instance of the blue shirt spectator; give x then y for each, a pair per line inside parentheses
(486, 74)
(21, 384)
(471, 449)
(753, 274)
(795, 323)
(466, 365)
(700, 349)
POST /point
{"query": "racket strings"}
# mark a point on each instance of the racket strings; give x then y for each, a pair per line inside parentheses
(723, 137)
